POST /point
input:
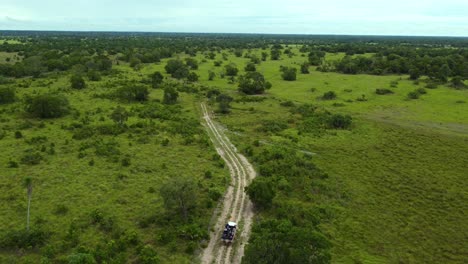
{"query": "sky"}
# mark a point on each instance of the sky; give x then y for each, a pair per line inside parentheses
(350, 17)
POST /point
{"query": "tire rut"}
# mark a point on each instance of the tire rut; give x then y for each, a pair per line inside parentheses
(236, 205)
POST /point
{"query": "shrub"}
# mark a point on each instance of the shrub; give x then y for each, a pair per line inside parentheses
(289, 73)
(94, 76)
(338, 121)
(7, 95)
(273, 126)
(191, 63)
(192, 77)
(170, 95)
(133, 93)
(12, 164)
(383, 91)
(156, 79)
(31, 158)
(287, 104)
(261, 192)
(413, 95)
(456, 82)
(25, 239)
(77, 82)
(250, 67)
(253, 83)
(148, 255)
(18, 134)
(431, 85)
(47, 105)
(330, 95)
(177, 69)
(421, 91)
(231, 70)
(81, 258)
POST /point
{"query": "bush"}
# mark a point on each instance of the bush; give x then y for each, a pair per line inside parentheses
(94, 76)
(431, 85)
(192, 77)
(156, 79)
(289, 73)
(148, 255)
(250, 67)
(47, 105)
(338, 121)
(177, 69)
(77, 82)
(31, 158)
(170, 95)
(133, 93)
(231, 70)
(191, 63)
(261, 192)
(383, 91)
(81, 258)
(24, 239)
(253, 83)
(7, 95)
(330, 95)
(18, 134)
(413, 95)
(273, 126)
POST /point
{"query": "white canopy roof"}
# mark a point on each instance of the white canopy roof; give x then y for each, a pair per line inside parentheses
(232, 224)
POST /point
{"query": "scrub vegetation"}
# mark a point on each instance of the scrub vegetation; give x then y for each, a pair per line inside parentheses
(359, 143)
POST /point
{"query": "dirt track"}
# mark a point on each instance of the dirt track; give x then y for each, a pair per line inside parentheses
(236, 204)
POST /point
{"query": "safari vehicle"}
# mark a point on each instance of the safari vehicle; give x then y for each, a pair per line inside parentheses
(229, 232)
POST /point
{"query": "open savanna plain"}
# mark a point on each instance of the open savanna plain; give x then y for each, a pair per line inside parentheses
(345, 174)
(399, 171)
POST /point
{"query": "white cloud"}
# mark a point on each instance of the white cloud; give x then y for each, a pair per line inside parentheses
(397, 17)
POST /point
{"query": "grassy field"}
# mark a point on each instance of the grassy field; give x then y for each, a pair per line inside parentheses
(74, 180)
(401, 167)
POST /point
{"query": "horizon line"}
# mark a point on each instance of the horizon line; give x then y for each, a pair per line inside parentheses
(232, 33)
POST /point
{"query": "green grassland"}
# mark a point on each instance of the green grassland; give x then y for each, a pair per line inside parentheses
(9, 57)
(399, 171)
(401, 167)
(74, 180)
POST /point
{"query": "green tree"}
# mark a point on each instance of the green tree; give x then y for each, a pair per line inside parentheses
(275, 54)
(261, 192)
(231, 70)
(156, 79)
(264, 56)
(177, 69)
(250, 67)
(137, 93)
(170, 95)
(191, 63)
(192, 77)
(77, 82)
(47, 105)
(253, 83)
(224, 103)
(179, 194)
(119, 115)
(289, 73)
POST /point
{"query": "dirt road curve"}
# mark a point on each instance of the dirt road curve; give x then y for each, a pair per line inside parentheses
(236, 205)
